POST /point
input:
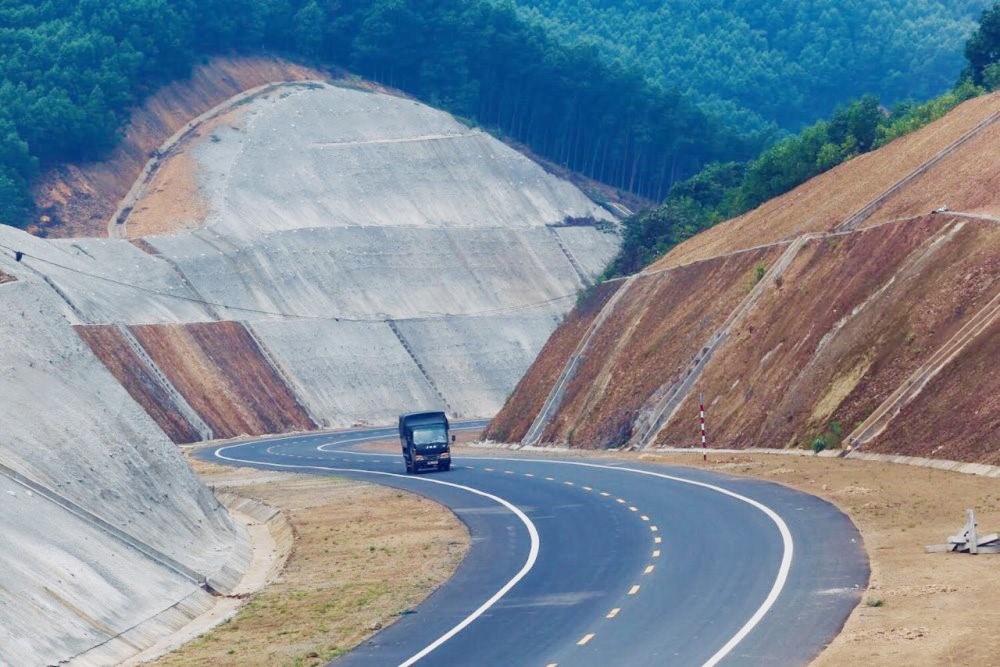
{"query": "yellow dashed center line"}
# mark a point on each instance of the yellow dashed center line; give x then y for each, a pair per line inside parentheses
(586, 638)
(633, 590)
(649, 569)
(613, 612)
(656, 553)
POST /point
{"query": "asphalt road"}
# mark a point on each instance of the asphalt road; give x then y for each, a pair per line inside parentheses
(604, 563)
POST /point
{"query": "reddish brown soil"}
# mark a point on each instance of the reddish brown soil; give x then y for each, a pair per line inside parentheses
(4, 278)
(953, 418)
(111, 348)
(967, 180)
(648, 341)
(514, 420)
(800, 360)
(223, 375)
(79, 200)
(823, 202)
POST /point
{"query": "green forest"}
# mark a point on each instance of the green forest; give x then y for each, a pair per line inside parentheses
(71, 70)
(776, 64)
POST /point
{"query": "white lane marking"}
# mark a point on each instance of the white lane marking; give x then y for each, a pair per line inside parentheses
(568, 483)
(634, 589)
(586, 638)
(649, 569)
(644, 517)
(657, 539)
(613, 612)
(788, 546)
(620, 500)
(550, 479)
(528, 474)
(656, 553)
(653, 528)
(633, 508)
(587, 488)
(528, 563)
(605, 494)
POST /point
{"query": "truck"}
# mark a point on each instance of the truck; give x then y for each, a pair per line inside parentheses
(423, 437)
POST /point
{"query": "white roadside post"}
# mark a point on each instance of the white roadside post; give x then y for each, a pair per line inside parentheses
(701, 416)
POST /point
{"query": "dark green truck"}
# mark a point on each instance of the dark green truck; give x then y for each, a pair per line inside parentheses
(424, 439)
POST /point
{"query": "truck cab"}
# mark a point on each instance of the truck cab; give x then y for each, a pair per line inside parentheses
(423, 437)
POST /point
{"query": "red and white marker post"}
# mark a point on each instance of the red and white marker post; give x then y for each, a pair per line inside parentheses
(701, 417)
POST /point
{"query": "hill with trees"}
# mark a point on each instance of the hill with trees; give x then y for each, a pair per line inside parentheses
(776, 64)
(70, 72)
(722, 191)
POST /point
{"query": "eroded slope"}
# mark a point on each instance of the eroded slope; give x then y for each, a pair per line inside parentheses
(862, 333)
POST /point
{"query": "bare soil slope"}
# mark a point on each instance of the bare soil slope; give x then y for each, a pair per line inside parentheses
(79, 200)
(901, 305)
(830, 198)
(222, 373)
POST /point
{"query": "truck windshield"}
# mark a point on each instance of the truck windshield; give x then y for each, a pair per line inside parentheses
(431, 434)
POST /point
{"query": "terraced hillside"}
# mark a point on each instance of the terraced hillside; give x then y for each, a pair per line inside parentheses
(265, 252)
(843, 310)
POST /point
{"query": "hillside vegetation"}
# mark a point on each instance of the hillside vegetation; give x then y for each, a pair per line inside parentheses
(71, 71)
(722, 191)
(805, 324)
(776, 64)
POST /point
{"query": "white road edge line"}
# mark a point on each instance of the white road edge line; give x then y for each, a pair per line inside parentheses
(528, 563)
(786, 539)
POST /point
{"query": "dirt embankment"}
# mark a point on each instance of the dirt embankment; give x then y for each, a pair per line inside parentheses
(823, 202)
(78, 200)
(648, 342)
(515, 418)
(852, 319)
(902, 306)
(134, 374)
(224, 376)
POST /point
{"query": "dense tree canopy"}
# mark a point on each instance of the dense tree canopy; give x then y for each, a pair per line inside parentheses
(71, 69)
(784, 62)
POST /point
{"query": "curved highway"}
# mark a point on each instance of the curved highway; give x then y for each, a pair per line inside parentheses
(597, 562)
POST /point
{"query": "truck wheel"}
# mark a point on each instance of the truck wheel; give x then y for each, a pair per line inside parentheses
(409, 468)
(444, 467)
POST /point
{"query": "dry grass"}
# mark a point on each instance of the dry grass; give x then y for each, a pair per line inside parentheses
(341, 583)
(931, 609)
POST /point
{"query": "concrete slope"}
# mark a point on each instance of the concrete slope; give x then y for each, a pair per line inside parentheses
(105, 526)
(324, 206)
